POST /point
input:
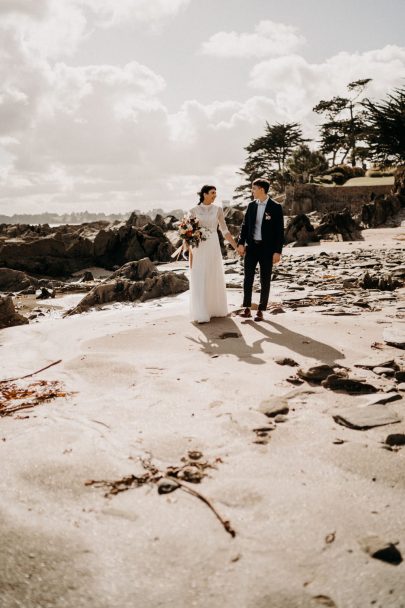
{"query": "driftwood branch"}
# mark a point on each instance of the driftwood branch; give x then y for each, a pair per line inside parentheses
(33, 373)
(226, 523)
(154, 475)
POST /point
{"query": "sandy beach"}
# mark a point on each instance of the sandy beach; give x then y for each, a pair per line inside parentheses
(301, 491)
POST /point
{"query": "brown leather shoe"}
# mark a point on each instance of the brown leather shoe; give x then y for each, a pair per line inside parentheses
(246, 313)
(259, 315)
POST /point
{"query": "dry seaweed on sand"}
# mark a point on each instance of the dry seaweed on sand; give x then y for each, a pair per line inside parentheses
(193, 470)
(20, 395)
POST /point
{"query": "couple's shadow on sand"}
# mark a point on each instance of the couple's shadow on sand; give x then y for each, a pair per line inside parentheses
(222, 336)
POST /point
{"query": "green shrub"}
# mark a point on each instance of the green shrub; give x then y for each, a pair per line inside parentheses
(338, 177)
(377, 172)
(346, 171)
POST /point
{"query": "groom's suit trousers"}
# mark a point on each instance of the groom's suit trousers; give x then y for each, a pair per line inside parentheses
(255, 254)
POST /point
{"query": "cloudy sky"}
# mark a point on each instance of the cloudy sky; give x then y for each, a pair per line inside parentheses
(111, 105)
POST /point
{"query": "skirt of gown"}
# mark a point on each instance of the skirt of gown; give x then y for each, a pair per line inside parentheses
(207, 282)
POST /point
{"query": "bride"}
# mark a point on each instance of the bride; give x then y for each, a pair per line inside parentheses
(207, 281)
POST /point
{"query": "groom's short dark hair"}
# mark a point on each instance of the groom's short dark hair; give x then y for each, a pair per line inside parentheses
(262, 183)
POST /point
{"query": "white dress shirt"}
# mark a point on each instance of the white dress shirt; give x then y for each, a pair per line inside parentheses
(261, 207)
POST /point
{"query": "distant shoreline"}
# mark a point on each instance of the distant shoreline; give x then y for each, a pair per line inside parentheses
(75, 219)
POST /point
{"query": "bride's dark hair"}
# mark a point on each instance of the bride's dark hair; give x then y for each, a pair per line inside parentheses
(204, 190)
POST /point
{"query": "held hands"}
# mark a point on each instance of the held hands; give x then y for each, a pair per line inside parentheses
(276, 256)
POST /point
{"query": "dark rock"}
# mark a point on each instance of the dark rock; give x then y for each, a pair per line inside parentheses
(87, 276)
(139, 220)
(316, 373)
(300, 230)
(381, 549)
(43, 294)
(400, 376)
(8, 315)
(342, 223)
(191, 473)
(383, 282)
(15, 280)
(348, 385)
(380, 210)
(295, 380)
(395, 439)
(166, 486)
(136, 271)
(29, 291)
(286, 361)
(63, 250)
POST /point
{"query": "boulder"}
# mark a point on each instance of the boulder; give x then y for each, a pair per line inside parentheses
(15, 280)
(8, 315)
(160, 222)
(43, 293)
(300, 230)
(382, 208)
(135, 281)
(381, 549)
(384, 282)
(138, 220)
(339, 223)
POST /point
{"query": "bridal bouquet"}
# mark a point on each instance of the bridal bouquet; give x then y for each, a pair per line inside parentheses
(191, 233)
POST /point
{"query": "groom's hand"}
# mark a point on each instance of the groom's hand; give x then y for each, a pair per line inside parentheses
(241, 249)
(276, 258)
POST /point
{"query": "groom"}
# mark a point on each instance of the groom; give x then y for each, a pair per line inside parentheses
(261, 242)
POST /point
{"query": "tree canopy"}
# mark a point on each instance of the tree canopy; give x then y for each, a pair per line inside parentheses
(386, 128)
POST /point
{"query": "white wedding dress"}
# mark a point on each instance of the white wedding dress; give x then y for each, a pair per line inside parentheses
(207, 280)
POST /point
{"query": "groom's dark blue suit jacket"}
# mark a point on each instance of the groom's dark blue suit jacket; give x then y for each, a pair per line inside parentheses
(272, 227)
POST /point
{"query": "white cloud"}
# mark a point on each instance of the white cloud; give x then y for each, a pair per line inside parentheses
(268, 39)
(296, 84)
(25, 7)
(56, 28)
(111, 12)
(100, 136)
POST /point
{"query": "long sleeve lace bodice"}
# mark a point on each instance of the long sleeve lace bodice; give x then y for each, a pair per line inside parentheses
(211, 216)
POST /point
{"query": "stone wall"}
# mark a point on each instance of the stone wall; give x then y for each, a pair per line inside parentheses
(305, 198)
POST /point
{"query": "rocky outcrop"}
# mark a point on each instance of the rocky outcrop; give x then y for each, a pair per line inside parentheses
(383, 282)
(341, 223)
(380, 210)
(135, 281)
(300, 230)
(8, 315)
(63, 250)
(15, 280)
